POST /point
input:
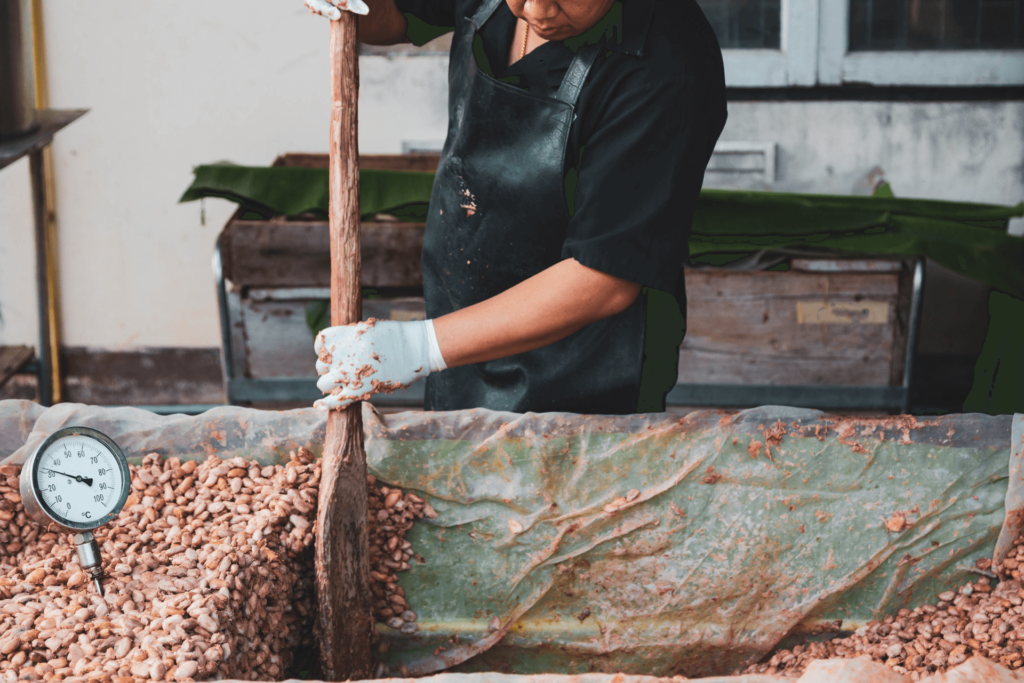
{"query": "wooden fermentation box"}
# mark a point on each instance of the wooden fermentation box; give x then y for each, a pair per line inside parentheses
(827, 333)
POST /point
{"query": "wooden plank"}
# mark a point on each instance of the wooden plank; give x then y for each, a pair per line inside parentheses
(901, 327)
(149, 376)
(278, 342)
(376, 162)
(12, 358)
(820, 265)
(297, 254)
(342, 557)
(743, 327)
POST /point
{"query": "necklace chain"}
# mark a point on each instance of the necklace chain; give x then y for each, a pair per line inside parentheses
(526, 35)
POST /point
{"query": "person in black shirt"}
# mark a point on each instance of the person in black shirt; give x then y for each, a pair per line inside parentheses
(578, 136)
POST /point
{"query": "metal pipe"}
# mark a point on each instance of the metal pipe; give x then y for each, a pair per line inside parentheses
(17, 96)
(226, 359)
(46, 239)
(914, 326)
(42, 280)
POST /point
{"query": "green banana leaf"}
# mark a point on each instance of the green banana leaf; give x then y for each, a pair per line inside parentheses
(968, 238)
(290, 191)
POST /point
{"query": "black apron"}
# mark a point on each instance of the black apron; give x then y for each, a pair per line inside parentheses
(498, 216)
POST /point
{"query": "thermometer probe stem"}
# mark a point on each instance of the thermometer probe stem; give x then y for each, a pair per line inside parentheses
(89, 558)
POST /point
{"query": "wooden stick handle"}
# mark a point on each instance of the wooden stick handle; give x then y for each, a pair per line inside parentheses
(342, 541)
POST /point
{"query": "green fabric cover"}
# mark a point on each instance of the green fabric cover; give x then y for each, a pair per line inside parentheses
(666, 327)
(999, 372)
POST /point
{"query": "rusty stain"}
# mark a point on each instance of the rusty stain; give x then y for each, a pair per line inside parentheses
(710, 476)
(896, 523)
(908, 560)
(773, 437)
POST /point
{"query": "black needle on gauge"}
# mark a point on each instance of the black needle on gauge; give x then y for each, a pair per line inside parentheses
(86, 480)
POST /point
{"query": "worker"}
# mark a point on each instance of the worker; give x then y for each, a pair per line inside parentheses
(578, 136)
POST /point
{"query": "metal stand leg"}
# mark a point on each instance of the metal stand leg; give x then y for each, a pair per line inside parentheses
(226, 357)
(914, 326)
(46, 359)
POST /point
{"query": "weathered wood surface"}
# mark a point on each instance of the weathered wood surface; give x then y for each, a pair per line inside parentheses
(297, 254)
(742, 327)
(278, 342)
(12, 358)
(342, 543)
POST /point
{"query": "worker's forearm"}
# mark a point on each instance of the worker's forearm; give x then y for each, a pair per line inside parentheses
(384, 25)
(539, 311)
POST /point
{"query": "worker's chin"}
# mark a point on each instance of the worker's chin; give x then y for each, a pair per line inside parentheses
(554, 32)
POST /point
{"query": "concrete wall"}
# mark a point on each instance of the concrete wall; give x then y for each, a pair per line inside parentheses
(178, 84)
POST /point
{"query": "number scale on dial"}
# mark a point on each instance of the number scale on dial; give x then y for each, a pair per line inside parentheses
(78, 481)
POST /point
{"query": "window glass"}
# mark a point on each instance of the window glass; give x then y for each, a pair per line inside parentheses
(744, 23)
(936, 24)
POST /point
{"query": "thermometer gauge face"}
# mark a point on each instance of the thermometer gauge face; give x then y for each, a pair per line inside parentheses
(77, 479)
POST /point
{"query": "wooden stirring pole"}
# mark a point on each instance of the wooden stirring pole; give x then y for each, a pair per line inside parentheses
(342, 542)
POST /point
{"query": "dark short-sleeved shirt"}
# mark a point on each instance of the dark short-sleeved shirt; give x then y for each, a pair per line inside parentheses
(647, 121)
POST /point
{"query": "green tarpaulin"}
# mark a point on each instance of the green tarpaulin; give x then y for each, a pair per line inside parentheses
(640, 544)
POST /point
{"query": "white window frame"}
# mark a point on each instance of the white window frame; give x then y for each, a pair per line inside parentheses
(814, 50)
(794, 63)
(837, 65)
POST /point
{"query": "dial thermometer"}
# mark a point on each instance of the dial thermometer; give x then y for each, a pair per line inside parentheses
(77, 480)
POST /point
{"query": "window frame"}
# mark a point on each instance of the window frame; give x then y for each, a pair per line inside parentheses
(794, 63)
(814, 50)
(838, 66)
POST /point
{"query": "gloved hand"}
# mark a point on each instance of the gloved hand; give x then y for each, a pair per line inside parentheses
(356, 361)
(332, 10)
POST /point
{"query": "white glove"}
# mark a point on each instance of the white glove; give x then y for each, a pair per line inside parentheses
(332, 9)
(356, 361)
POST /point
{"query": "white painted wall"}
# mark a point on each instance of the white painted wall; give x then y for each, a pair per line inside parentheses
(172, 85)
(969, 151)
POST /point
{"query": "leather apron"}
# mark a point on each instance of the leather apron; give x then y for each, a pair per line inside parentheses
(498, 216)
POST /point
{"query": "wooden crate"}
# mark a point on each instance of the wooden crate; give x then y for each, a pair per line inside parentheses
(823, 323)
(272, 270)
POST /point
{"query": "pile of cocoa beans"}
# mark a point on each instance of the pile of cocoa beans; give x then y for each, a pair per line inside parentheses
(203, 578)
(979, 619)
(391, 515)
(209, 574)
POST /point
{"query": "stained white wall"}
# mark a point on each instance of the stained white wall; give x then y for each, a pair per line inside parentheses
(969, 151)
(169, 86)
(172, 85)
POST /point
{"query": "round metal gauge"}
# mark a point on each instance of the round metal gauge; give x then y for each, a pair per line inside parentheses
(77, 480)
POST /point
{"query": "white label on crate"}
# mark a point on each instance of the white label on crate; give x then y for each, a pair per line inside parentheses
(842, 312)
